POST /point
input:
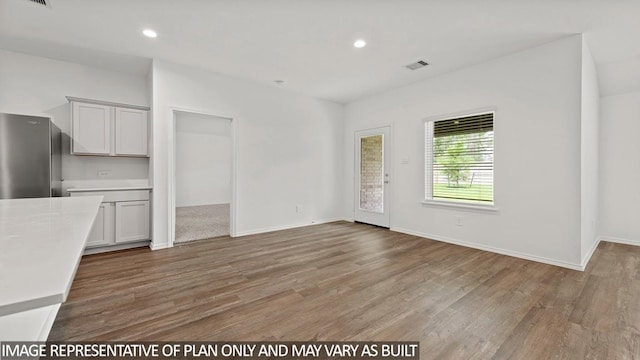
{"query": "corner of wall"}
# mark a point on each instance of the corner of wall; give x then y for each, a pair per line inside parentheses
(619, 171)
(589, 153)
(552, 66)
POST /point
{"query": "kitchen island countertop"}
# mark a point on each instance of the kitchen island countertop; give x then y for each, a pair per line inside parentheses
(41, 243)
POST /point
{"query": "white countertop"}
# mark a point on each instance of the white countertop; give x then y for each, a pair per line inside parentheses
(41, 244)
(116, 188)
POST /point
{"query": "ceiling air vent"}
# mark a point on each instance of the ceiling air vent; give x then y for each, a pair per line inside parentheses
(417, 65)
(46, 3)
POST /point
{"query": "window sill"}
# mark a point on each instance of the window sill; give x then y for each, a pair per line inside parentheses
(460, 205)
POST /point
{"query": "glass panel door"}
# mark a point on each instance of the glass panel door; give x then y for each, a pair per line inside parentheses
(372, 176)
(372, 173)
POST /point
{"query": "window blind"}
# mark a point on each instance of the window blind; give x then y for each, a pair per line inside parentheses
(459, 154)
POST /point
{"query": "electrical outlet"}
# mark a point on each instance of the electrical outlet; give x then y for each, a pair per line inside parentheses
(458, 220)
(299, 209)
(104, 173)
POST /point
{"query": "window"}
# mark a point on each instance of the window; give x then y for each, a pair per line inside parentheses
(459, 159)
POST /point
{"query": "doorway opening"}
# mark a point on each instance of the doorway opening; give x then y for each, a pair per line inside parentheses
(203, 177)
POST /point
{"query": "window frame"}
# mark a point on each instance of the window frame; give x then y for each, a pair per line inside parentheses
(428, 199)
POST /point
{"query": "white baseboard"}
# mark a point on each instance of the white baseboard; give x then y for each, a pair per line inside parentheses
(154, 246)
(493, 249)
(206, 204)
(285, 227)
(131, 245)
(588, 255)
(619, 240)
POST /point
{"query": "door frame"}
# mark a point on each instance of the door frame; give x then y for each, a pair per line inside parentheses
(171, 196)
(388, 146)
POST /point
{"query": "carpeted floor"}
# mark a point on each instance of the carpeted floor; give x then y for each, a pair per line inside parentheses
(201, 222)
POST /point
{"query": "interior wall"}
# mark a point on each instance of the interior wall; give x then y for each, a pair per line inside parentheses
(589, 134)
(619, 77)
(536, 94)
(620, 168)
(289, 149)
(37, 86)
(203, 159)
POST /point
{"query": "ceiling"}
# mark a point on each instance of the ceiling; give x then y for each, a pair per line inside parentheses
(308, 43)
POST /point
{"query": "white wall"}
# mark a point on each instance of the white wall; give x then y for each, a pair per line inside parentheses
(619, 77)
(537, 152)
(203, 159)
(38, 86)
(589, 133)
(289, 147)
(620, 168)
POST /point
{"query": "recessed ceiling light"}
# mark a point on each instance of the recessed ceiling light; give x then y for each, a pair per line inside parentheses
(149, 33)
(360, 43)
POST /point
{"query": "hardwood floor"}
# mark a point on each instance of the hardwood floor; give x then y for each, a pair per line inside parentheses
(344, 281)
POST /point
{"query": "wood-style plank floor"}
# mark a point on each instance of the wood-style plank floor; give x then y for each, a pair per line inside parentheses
(344, 281)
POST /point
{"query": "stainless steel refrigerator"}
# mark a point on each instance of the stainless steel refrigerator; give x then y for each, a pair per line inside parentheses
(30, 157)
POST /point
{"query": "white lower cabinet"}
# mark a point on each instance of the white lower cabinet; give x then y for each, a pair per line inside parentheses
(123, 218)
(102, 231)
(132, 221)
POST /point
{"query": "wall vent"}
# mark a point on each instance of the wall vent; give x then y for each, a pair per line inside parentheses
(46, 3)
(417, 65)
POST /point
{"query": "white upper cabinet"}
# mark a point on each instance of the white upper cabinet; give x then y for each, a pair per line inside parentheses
(131, 132)
(108, 129)
(91, 129)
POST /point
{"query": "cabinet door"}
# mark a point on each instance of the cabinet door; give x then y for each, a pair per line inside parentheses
(102, 231)
(91, 129)
(131, 132)
(132, 221)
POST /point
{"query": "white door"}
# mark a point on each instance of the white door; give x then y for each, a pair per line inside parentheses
(131, 132)
(102, 231)
(91, 129)
(132, 221)
(372, 169)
